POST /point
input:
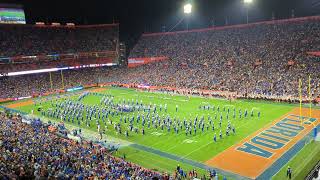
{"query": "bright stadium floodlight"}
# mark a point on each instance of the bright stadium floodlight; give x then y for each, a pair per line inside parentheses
(187, 8)
(247, 3)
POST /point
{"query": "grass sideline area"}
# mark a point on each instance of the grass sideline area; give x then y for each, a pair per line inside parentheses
(302, 163)
(199, 147)
(159, 164)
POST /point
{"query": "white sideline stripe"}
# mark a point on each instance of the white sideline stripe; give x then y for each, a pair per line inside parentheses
(196, 149)
(144, 157)
(91, 133)
(295, 174)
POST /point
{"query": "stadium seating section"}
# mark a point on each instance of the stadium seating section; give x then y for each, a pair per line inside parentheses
(30, 151)
(30, 40)
(255, 60)
(265, 59)
(29, 47)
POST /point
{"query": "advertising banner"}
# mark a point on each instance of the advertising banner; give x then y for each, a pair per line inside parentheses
(134, 62)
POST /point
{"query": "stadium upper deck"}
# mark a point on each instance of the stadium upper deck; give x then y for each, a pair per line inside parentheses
(31, 47)
(260, 58)
(32, 40)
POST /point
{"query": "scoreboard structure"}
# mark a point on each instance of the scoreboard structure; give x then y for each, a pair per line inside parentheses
(12, 14)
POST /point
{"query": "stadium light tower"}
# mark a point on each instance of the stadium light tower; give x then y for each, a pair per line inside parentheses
(187, 8)
(247, 4)
(187, 11)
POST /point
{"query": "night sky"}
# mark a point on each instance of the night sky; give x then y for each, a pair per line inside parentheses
(138, 16)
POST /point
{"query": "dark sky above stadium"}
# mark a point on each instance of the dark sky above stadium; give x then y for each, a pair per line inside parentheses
(137, 16)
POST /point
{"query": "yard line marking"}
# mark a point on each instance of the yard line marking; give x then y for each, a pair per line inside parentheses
(304, 162)
(206, 134)
(144, 157)
(196, 149)
(207, 144)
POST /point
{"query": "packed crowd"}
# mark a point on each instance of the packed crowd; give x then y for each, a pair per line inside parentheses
(250, 60)
(47, 64)
(30, 151)
(29, 40)
(28, 85)
(29, 47)
(255, 61)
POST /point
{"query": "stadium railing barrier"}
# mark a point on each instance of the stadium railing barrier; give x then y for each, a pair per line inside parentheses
(314, 173)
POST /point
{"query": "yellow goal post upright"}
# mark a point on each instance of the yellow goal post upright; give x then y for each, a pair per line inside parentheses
(315, 128)
(310, 97)
(300, 99)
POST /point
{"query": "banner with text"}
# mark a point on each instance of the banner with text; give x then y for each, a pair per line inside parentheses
(134, 62)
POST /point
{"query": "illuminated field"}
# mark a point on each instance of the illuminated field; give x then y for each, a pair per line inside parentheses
(163, 149)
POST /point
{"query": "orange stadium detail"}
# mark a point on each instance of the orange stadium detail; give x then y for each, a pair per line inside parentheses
(256, 153)
(20, 104)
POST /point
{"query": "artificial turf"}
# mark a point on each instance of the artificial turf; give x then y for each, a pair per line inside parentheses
(301, 163)
(199, 147)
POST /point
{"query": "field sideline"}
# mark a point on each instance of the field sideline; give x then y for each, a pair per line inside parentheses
(197, 148)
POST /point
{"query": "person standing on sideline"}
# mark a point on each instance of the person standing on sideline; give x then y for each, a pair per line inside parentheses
(289, 172)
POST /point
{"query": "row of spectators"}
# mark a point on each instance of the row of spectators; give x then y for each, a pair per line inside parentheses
(265, 59)
(38, 84)
(255, 61)
(27, 85)
(27, 40)
(31, 151)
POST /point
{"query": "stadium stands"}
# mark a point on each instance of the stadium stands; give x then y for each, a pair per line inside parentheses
(258, 59)
(28, 47)
(30, 40)
(16, 86)
(263, 60)
(51, 156)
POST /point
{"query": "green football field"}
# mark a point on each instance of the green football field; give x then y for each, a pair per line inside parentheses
(151, 150)
(7, 13)
(302, 162)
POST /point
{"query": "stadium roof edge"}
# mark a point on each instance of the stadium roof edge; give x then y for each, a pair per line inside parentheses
(10, 5)
(63, 26)
(234, 26)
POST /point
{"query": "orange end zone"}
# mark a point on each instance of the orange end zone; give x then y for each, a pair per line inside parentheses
(20, 104)
(257, 152)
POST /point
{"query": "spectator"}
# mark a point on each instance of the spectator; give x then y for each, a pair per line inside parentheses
(32, 152)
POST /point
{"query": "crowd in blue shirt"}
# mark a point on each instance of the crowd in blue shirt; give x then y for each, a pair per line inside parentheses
(32, 151)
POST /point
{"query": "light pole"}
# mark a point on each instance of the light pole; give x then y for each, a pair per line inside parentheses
(247, 4)
(187, 11)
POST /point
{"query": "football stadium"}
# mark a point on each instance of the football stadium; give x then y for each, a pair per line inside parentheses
(205, 90)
